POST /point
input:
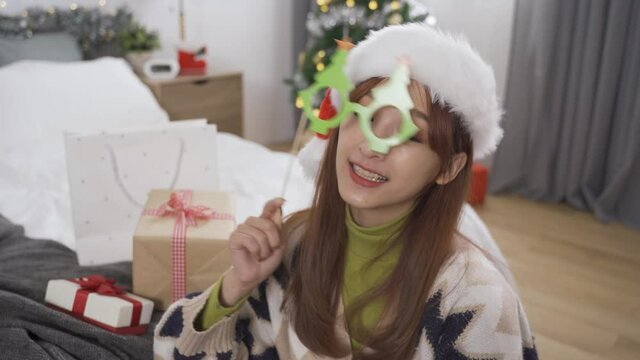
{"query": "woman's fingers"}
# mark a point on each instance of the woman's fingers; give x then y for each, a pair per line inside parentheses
(269, 228)
(259, 237)
(256, 245)
(245, 242)
(273, 211)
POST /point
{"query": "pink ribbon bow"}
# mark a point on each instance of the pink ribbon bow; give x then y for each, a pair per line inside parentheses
(179, 206)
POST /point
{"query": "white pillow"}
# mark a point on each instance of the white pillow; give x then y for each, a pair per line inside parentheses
(41, 100)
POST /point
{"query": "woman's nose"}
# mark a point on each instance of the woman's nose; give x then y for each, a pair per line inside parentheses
(386, 122)
(367, 153)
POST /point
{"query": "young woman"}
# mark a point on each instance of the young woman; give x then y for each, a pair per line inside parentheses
(375, 268)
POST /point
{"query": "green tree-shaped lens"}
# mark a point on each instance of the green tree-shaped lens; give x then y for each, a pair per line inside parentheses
(333, 77)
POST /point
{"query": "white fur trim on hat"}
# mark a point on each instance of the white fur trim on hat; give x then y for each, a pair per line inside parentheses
(311, 155)
(453, 71)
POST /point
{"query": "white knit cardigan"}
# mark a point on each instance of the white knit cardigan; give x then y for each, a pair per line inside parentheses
(471, 313)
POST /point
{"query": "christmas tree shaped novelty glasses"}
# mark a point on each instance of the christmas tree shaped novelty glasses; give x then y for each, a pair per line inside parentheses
(393, 92)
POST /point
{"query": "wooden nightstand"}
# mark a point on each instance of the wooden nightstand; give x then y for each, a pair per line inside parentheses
(218, 98)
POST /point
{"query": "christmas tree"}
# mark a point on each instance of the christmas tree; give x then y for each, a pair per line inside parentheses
(329, 20)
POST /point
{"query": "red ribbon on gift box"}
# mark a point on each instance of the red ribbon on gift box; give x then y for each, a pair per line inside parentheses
(179, 206)
(97, 284)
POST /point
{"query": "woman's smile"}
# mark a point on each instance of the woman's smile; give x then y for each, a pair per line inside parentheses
(366, 177)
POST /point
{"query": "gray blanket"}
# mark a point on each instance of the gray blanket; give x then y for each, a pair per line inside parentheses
(31, 330)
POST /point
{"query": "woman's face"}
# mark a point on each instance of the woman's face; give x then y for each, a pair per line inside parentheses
(381, 187)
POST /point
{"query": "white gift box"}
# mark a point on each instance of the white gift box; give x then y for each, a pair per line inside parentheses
(116, 313)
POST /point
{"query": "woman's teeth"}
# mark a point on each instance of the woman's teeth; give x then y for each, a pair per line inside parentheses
(368, 175)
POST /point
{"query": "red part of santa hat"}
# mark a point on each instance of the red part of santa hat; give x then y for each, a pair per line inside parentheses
(327, 111)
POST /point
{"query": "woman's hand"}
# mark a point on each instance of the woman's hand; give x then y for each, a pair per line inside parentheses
(256, 250)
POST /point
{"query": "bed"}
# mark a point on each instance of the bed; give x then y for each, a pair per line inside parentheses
(39, 101)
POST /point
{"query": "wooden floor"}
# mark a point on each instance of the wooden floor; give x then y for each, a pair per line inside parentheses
(579, 278)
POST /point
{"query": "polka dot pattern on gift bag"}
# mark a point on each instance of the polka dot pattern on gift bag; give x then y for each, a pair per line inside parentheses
(109, 187)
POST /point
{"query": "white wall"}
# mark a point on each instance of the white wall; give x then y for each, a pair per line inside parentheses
(253, 37)
(487, 24)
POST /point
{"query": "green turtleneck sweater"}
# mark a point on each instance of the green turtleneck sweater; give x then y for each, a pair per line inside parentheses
(362, 246)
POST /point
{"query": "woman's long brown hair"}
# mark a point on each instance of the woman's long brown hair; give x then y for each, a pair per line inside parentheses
(314, 291)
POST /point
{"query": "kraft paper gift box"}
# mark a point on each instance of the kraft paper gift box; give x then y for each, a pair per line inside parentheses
(96, 300)
(181, 243)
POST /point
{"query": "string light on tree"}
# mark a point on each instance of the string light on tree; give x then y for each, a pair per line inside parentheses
(431, 20)
(73, 6)
(102, 2)
(373, 4)
(51, 10)
(299, 102)
(394, 19)
(320, 66)
(351, 3)
(3, 4)
(319, 56)
(324, 5)
(395, 5)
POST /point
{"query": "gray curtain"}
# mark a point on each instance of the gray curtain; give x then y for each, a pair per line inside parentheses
(572, 122)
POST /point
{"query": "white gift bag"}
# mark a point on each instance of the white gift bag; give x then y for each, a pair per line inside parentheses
(111, 173)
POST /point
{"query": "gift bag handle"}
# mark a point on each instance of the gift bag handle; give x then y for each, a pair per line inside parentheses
(122, 186)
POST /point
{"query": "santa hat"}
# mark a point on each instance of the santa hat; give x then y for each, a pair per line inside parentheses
(311, 154)
(455, 74)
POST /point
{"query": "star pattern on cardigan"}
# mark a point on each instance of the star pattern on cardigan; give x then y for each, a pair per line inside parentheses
(178, 356)
(173, 326)
(443, 333)
(452, 328)
(224, 355)
(260, 306)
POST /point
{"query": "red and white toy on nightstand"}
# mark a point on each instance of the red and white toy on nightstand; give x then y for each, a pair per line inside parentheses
(192, 59)
(98, 301)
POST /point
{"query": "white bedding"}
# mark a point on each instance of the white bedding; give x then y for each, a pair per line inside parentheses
(34, 190)
(39, 101)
